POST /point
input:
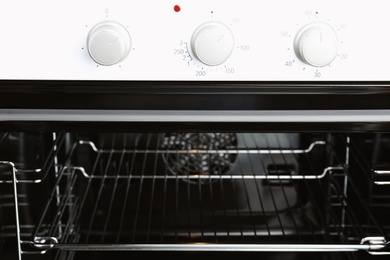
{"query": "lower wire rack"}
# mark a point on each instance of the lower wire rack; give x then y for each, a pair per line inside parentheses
(181, 196)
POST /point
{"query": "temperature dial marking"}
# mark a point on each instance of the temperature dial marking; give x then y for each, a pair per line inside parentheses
(316, 44)
(212, 43)
(108, 43)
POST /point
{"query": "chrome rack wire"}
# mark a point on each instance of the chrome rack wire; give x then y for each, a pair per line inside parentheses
(130, 199)
(234, 151)
(376, 176)
(36, 175)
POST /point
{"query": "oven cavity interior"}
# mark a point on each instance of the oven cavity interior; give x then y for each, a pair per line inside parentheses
(252, 192)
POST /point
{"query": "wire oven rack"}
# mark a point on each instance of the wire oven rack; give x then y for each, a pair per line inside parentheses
(250, 194)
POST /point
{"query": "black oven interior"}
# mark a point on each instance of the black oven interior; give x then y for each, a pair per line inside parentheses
(273, 195)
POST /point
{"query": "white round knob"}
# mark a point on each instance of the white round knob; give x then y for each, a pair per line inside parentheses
(108, 43)
(212, 43)
(316, 44)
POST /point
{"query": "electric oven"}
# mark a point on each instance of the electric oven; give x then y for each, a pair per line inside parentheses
(196, 129)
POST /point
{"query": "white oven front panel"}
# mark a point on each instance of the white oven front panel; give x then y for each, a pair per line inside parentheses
(246, 40)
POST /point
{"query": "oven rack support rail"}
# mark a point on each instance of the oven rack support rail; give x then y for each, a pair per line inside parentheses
(42, 172)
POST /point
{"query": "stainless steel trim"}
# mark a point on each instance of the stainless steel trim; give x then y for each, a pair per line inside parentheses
(310, 116)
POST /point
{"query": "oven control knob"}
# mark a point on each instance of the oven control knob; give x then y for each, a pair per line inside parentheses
(316, 44)
(108, 43)
(212, 43)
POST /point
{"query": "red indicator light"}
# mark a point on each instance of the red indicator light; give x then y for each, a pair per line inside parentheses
(177, 8)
